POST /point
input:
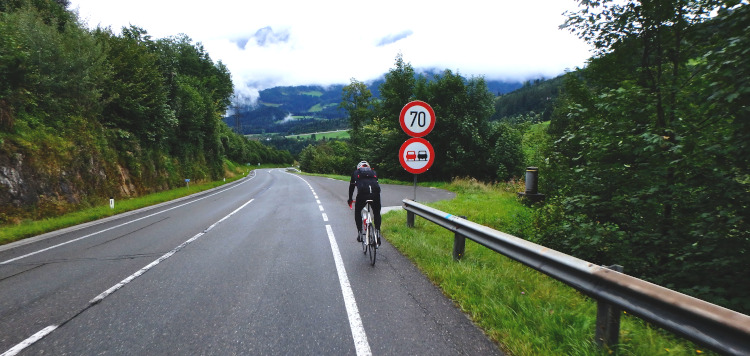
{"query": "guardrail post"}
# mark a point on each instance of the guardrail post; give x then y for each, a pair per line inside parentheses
(409, 219)
(608, 321)
(459, 244)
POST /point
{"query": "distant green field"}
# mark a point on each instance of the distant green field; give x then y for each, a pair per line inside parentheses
(318, 107)
(320, 135)
(315, 93)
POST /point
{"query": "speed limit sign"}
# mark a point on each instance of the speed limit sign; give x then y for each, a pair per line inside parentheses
(417, 118)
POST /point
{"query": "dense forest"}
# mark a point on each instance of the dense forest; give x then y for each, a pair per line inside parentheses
(645, 160)
(87, 114)
(648, 156)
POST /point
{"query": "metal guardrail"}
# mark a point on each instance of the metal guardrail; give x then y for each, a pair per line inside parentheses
(707, 324)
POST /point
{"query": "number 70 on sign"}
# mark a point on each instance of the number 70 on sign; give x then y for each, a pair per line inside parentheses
(417, 118)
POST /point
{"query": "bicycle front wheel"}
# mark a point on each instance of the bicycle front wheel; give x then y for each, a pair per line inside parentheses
(373, 243)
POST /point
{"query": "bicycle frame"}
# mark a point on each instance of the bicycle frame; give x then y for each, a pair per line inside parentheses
(367, 220)
(369, 243)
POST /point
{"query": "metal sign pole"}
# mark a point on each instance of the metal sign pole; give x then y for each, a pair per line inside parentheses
(415, 187)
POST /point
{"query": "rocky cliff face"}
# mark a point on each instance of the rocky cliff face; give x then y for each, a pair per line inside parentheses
(35, 188)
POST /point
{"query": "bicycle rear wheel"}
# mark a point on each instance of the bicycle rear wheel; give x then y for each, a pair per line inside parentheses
(364, 240)
(373, 243)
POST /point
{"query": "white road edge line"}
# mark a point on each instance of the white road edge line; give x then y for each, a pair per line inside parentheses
(46, 331)
(30, 341)
(361, 345)
(355, 322)
(121, 225)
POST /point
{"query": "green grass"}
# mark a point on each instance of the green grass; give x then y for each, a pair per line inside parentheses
(28, 228)
(315, 93)
(523, 310)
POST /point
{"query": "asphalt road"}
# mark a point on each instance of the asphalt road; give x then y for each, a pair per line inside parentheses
(267, 265)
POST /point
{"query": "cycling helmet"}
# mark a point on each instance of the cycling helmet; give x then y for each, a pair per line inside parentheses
(362, 164)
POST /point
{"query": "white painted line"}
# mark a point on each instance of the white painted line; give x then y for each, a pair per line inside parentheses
(29, 341)
(355, 322)
(118, 226)
(361, 345)
(169, 254)
(318, 201)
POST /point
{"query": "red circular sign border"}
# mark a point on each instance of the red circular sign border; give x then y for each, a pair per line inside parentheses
(403, 148)
(402, 117)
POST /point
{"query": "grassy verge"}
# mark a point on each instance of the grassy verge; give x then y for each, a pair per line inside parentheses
(28, 228)
(519, 308)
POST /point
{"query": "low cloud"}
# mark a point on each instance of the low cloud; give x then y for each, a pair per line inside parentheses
(264, 44)
(241, 42)
(267, 36)
(394, 38)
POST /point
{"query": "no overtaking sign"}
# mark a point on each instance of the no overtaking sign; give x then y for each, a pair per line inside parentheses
(416, 155)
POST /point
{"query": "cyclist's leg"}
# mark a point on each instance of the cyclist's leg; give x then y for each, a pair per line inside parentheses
(376, 213)
(376, 210)
(358, 205)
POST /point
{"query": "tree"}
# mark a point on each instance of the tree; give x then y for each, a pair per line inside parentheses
(135, 94)
(380, 145)
(639, 135)
(357, 100)
(462, 132)
(465, 143)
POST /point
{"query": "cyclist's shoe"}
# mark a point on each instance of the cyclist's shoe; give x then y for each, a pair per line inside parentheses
(359, 236)
(379, 237)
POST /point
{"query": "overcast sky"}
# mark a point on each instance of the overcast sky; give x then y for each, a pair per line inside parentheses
(298, 42)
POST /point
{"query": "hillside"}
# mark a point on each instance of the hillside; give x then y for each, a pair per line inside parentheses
(303, 109)
(291, 110)
(88, 115)
(533, 102)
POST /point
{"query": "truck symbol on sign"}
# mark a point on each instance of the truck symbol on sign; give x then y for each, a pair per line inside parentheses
(422, 155)
(411, 156)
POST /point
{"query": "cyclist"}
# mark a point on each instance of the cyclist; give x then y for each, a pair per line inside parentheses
(366, 181)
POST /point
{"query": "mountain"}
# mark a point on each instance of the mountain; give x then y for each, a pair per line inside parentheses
(289, 110)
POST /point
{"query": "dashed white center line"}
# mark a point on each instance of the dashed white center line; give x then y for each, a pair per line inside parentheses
(30, 341)
(46, 331)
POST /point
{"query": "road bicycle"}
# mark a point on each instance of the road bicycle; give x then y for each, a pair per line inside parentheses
(369, 238)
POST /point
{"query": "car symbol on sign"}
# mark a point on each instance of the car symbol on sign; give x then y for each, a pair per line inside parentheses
(422, 155)
(411, 156)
